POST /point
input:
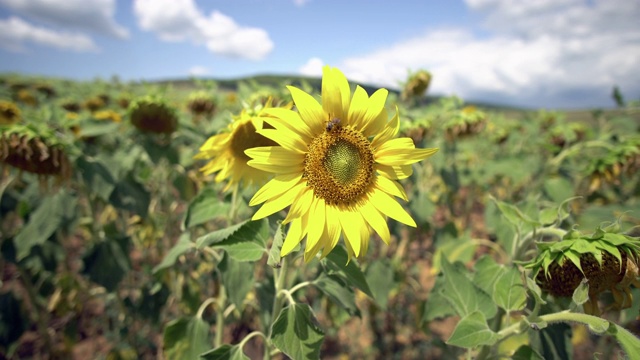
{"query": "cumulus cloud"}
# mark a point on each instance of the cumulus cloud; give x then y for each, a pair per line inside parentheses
(87, 16)
(313, 67)
(15, 33)
(199, 71)
(539, 51)
(181, 20)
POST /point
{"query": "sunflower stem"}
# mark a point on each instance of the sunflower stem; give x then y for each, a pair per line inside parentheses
(280, 284)
(233, 212)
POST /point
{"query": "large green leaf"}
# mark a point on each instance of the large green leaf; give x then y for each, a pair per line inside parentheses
(274, 259)
(132, 196)
(243, 242)
(296, 333)
(186, 338)
(379, 276)
(237, 278)
(558, 188)
(487, 271)
(96, 176)
(463, 295)
(336, 262)
(338, 291)
(108, 262)
(509, 291)
(183, 245)
(472, 331)
(44, 221)
(204, 207)
(525, 352)
(225, 352)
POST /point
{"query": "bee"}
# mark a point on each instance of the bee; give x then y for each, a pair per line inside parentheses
(331, 123)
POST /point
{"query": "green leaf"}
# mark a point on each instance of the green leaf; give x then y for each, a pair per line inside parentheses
(132, 196)
(96, 177)
(558, 188)
(454, 248)
(463, 295)
(98, 128)
(437, 306)
(274, 259)
(581, 293)
(548, 216)
(487, 271)
(225, 352)
(237, 278)
(630, 343)
(473, 331)
(525, 352)
(296, 333)
(337, 262)
(535, 290)
(183, 245)
(204, 207)
(44, 221)
(379, 276)
(513, 214)
(108, 262)
(243, 242)
(338, 291)
(510, 293)
(186, 338)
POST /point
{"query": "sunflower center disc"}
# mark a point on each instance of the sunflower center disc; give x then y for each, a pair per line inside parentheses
(245, 137)
(339, 165)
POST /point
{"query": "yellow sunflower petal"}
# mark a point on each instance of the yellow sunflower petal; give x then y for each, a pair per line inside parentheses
(358, 107)
(406, 156)
(391, 187)
(333, 230)
(286, 138)
(317, 219)
(388, 206)
(375, 219)
(310, 111)
(278, 203)
(377, 125)
(351, 223)
(293, 238)
(375, 107)
(275, 187)
(331, 96)
(390, 130)
(395, 172)
(274, 159)
(289, 119)
(300, 206)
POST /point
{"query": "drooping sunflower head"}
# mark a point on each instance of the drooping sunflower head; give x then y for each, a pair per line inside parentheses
(416, 85)
(34, 149)
(226, 150)
(9, 113)
(26, 97)
(46, 89)
(151, 114)
(94, 104)
(611, 167)
(465, 123)
(335, 167)
(607, 259)
(201, 103)
(70, 105)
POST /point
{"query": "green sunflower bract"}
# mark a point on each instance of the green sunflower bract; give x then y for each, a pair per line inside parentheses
(336, 167)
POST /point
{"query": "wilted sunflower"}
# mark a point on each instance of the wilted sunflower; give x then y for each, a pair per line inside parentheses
(151, 114)
(226, 151)
(335, 167)
(9, 113)
(607, 259)
(37, 150)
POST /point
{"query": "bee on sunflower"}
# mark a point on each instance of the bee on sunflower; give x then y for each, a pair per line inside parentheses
(606, 259)
(335, 166)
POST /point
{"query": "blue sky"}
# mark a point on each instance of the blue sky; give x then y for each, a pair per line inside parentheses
(534, 53)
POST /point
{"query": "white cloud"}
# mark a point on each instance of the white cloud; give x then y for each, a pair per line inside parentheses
(91, 16)
(539, 51)
(199, 71)
(181, 20)
(300, 3)
(15, 33)
(313, 67)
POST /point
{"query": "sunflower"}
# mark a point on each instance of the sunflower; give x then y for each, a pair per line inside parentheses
(226, 150)
(335, 166)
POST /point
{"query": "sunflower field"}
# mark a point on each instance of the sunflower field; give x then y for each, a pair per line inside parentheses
(312, 219)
